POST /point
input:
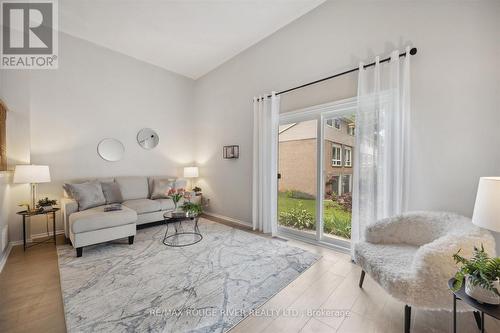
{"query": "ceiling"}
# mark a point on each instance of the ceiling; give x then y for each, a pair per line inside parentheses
(188, 37)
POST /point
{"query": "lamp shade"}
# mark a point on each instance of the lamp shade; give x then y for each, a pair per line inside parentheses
(487, 208)
(31, 174)
(191, 172)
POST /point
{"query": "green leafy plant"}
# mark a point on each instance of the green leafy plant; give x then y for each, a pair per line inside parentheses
(297, 217)
(192, 208)
(482, 270)
(338, 223)
(46, 202)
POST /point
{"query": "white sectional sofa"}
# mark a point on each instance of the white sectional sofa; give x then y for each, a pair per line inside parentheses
(94, 225)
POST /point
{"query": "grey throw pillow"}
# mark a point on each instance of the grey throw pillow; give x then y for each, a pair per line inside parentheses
(112, 192)
(87, 195)
(161, 188)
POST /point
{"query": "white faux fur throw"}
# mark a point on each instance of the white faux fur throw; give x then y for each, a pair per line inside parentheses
(410, 255)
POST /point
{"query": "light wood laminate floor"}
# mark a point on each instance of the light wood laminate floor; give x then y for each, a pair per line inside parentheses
(31, 301)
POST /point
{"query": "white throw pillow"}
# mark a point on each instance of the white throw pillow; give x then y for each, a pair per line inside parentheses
(161, 188)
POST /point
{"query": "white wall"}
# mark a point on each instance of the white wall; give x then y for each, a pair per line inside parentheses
(14, 91)
(455, 93)
(97, 93)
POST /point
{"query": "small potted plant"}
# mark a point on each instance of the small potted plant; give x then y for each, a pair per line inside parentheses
(197, 190)
(46, 204)
(481, 275)
(192, 209)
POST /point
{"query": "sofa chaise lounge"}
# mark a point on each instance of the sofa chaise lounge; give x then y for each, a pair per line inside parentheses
(94, 225)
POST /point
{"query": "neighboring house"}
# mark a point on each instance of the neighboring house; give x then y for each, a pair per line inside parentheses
(297, 156)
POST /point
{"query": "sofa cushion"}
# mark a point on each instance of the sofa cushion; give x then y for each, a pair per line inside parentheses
(96, 218)
(133, 187)
(142, 206)
(112, 192)
(180, 183)
(161, 188)
(166, 204)
(388, 264)
(151, 180)
(87, 195)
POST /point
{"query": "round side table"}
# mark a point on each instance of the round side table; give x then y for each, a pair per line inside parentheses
(27, 217)
(482, 308)
(180, 237)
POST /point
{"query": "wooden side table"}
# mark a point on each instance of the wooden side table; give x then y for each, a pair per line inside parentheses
(27, 215)
(482, 308)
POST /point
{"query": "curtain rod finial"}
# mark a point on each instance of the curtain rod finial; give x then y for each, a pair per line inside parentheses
(413, 51)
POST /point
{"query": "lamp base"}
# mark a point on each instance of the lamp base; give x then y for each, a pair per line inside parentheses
(33, 197)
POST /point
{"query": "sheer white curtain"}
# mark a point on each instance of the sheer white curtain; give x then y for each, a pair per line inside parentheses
(381, 173)
(265, 165)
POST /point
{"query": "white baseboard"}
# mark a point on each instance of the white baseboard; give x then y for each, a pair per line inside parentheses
(229, 219)
(35, 236)
(5, 255)
(3, 258)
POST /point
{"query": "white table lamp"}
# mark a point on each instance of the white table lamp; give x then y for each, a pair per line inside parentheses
(191, 172)
(32, 174)
(487, 208)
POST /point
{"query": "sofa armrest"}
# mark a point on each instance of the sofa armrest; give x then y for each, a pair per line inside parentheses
(68, 207)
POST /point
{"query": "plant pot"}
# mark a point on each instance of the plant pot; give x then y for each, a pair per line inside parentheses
(46, 208)
(480, 294)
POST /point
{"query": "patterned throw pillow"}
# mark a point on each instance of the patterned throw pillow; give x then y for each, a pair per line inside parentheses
(87, 195)
(112, 192)
(161, 188)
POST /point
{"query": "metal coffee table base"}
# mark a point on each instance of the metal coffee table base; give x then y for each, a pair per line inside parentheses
(173, 240)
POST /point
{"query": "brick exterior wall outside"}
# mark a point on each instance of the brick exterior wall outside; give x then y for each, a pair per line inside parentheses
(297, 166)
(297, 157)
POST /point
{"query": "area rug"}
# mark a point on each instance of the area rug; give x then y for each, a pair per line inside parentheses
(150, 287)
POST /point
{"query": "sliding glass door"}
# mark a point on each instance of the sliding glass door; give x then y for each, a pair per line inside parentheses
(315, 181)
(297, 190)
(339, 144)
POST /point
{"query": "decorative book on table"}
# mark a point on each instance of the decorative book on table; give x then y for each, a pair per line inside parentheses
(113, 207)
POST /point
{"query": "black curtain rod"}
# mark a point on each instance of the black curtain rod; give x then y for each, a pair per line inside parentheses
(413, 51)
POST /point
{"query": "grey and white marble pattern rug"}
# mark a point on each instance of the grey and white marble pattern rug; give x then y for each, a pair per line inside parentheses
(150, 287)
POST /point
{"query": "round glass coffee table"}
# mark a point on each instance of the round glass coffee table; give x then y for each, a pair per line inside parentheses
(178, 237)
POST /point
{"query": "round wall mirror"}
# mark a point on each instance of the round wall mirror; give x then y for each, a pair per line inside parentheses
(147, 138)
(111, 150)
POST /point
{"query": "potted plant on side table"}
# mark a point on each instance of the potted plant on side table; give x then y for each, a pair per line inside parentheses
(46, 204)
(481, 275)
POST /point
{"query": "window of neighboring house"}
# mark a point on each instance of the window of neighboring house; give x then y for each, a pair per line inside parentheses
(348, 156)
(350, 130)
(333, 123)
(336, 185)
(336, 124)
(3, 130)
(336, 155)
(346, 184)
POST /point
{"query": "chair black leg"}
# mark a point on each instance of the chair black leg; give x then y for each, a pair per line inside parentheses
(361, 279)
(131, 240)
(407, 318)
(79, 251)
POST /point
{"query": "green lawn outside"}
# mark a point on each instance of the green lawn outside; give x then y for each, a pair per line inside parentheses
(301, 214)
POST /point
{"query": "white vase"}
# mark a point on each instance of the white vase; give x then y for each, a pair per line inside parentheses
(480, 294)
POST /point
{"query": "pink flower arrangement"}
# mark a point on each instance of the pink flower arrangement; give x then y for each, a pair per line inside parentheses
(176, 195)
